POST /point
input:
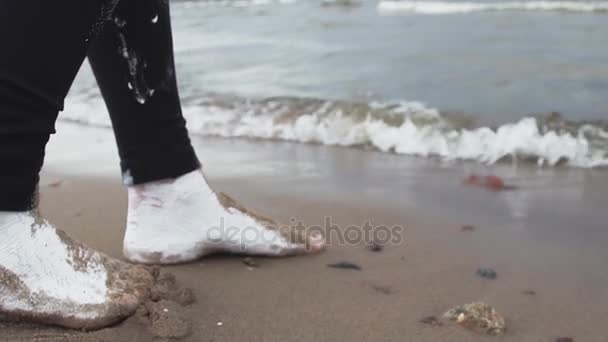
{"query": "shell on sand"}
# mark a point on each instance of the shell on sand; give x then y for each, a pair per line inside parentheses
(479, 317)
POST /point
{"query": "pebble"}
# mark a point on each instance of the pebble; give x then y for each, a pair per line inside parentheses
(345, 265)
(376, 247)
(487, 273)
(387, 290)
(431, 320)
(467, 228)
(250, 262)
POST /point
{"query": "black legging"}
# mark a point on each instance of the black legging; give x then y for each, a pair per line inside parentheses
(42, 46)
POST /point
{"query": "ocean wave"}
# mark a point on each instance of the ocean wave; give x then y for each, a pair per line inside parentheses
(401, 127)
(234, 3)
(443, 7)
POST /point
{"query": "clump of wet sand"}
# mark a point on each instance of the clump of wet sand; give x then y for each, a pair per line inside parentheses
(163, 313)
(162, 316)
(165, 319)
(165, 288)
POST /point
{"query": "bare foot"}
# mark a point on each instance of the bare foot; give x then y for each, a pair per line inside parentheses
(46, 277)
(184, 219)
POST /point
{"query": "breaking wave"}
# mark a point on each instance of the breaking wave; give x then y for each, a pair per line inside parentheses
(444, 7)
(408, 128)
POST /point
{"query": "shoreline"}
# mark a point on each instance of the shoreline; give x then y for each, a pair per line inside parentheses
(528, 236)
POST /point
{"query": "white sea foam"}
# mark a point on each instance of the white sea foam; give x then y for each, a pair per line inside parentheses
(408, 128)
(443, 7)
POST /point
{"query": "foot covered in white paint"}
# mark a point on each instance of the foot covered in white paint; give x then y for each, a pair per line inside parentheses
(46, 277)
(184, 219)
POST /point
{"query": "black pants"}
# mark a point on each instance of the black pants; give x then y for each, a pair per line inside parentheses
(43, 43)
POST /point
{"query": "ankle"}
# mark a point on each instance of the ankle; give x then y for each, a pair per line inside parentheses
(168, 191)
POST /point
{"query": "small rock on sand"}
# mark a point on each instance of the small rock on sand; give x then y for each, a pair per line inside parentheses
(564, 339)
(249, 261)
(487, 273)
(529, 292)
(387, 290)
(479, 317)
(375, 247)
(345, 265)
(467, 228)
(431, 320)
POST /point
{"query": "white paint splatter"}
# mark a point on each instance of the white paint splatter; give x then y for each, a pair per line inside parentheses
(184, 219)
(120, 23)
(137, 84)
(36, 254)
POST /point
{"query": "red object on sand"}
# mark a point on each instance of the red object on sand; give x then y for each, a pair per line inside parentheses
(472, 180)
(494, 183)
(491, 182)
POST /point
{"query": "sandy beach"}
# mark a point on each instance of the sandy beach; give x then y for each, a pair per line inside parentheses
(546, 241)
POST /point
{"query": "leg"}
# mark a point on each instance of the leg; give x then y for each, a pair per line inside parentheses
(45, 276)
(133, 62)
(37, 65)
(174, 216)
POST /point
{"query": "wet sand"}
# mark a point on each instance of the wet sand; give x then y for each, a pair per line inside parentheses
(548, 236)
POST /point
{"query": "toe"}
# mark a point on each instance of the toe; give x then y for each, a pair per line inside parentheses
(314, 243)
